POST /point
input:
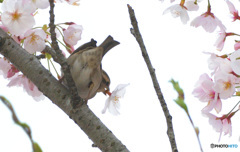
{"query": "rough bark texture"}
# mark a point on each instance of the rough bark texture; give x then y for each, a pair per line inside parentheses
(136, 33)
(30, 66)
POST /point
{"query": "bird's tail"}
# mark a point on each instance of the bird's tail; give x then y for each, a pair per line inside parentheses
(108, 44)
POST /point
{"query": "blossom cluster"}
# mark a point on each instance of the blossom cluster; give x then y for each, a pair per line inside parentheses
(18, 20)
(225, 77)
(223, 85)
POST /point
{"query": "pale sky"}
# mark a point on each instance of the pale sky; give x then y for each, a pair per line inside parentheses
(176, 51)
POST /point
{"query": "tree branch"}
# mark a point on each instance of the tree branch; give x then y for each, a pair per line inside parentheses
(59, 95)
(136, 33)
(75, 99)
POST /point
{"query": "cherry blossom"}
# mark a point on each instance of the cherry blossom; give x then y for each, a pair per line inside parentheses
(216, 123)
(205, 93)
(221, 124)
(235, 62)
(42, 4)
(191, 5)
(233, 10)
(4, 28)
(28, 86)
(178, 10)
(5, 66)
(218, 63)
(17, 17)
(113, 103)
(208, 21)
(12, 71)
(237, 46)
(35, 40)
(221, 39)
(72, 34)
(224, 84)
(19, 38)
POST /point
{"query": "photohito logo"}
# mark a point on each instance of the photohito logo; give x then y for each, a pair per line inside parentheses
(223, 145)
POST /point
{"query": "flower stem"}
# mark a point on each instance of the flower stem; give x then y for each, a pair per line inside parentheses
(233, 109)
(54, 68)
(182, 2)
(209, 7)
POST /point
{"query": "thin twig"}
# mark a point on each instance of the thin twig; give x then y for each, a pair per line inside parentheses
(136, 33)
(24, 126)
(52, 52)
(41, 56)
(196, 131)
(75, 99)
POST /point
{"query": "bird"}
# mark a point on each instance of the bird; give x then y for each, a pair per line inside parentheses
(86, 68)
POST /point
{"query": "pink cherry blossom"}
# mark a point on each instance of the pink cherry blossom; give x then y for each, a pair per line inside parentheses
(42, 4)
(221, 40)
(191, 5)
(17, 17)
(5, 66)
(224, 84)
(205, 93)
(28, 86)
(72, 34)
(227, 126)
(233, 10)
(235, 62)
(237, 46)
(19, 38)
(35, 40)
(221, 124)
(113, 103)
(12, 71)
(4, 28)
(217, 63)
(216, 123)
(208, 21)
(178, 11)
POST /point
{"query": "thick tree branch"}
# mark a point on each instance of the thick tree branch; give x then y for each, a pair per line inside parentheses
(75, 99)
(136, 33)
(59, 95)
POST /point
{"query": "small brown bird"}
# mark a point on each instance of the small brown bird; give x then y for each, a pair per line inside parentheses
(86, 68)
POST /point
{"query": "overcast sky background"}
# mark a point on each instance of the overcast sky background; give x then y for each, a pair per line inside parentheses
(176, 51)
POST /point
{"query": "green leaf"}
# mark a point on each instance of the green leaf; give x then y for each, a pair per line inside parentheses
(36, 147)
(180, 98)
(24, 126)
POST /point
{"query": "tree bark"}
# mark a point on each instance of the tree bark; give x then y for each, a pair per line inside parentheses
(136, 33)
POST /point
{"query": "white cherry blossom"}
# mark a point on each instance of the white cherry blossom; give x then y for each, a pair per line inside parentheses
(17, 17)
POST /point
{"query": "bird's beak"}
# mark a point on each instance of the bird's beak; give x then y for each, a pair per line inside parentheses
(107, 92)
